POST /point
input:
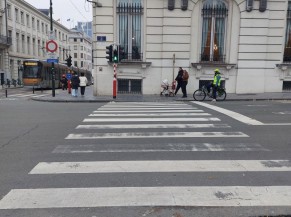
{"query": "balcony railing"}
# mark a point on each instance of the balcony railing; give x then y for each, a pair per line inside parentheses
(205, 58)
(131, 57)
(4, 40)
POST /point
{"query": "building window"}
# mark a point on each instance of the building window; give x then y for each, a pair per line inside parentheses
(37, 25)
(42, 27)
(28, 45)
(33, 46)
(22, 17)
(27, 20)
(75, 55)
(75, 63)
(8, 11)
(82, 64)
(287, 49)
(75, 47)
(10, 36)
(75, 40)
(214, 15)
(130, 28)
(23, 43)
(17, 42)
(32, 23)
(16, 15)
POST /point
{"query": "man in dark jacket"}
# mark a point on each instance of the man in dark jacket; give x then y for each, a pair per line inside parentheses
(75, 81)
(179, 80)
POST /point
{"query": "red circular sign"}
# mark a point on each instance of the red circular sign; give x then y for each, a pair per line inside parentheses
(51, 46)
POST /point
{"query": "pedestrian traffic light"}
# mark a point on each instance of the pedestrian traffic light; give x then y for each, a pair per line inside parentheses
(109, 52)
(69, 61)
(115, 55)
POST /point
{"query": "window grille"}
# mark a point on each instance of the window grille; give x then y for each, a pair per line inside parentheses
(129, 86)
(130, 29)
(214, 16)
(287, 50)
(287, 86)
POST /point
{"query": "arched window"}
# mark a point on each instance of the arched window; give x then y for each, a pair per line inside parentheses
(214, 15)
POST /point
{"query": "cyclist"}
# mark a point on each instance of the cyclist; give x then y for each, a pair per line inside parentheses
(215, 84)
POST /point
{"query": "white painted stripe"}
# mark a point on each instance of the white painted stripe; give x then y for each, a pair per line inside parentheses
(40, 95)
(147, 126)
(212, 196)
(143, 108)
(168, 147)
(20, 95)
(148, 119)
(234, 115)
(146, 111)
(277, 124)
(162, 166)
(129, 135)
(148, 106)
(145, 104)
(150, 114)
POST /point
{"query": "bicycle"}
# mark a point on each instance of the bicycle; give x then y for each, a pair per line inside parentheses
(201, 93)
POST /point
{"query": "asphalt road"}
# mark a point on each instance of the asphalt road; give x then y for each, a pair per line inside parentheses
(39, 140)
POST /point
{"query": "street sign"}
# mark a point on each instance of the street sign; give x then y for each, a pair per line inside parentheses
(52, 35)
(51, 55)
(69, 76)
(51, 46)
(52, 60)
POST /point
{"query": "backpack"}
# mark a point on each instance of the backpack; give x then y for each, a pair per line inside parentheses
(185, 75)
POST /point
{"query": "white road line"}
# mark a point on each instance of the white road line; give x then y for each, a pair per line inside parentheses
(130, 135)
(169, 147)
(40, 95)
(147, 126)
(21, 95)
(150, 114)
(162, 166)
(147, 106)
(234, 115)
(147, 111)
(143, 108)
(148, 119)
(212, 196)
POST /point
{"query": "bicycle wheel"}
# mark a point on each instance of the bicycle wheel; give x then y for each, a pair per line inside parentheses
(199, 95)
(221, 95)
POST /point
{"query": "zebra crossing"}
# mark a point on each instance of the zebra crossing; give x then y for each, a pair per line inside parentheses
(153, 128)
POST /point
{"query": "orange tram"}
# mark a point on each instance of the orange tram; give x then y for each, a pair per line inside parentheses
(37, 73)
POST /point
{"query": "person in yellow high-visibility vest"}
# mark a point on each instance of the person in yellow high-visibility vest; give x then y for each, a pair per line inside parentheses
(215, 84)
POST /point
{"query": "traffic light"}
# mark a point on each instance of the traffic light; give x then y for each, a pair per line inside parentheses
(109, 52)
(69, 61)
(115, 55)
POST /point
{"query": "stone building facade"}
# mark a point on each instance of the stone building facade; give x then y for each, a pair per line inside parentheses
(25, 31)
(248, 40)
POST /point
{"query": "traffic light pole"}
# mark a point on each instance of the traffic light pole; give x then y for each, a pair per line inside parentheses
(53, 64)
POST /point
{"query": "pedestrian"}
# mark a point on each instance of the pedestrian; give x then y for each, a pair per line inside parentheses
(64, 82)
(83, 83)
(215, 84)
(75, 80)
(179, 80)
(185, 78)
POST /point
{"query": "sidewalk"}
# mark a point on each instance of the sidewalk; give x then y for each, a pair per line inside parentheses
(63, 96)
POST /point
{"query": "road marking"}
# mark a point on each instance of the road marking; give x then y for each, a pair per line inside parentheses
(129, 135)
(212, 196)
(160, 147)
(148, 119)
(147, 111)
(234, 115)
(162, 166)
(143, 108)
(150, 114)
(152, 126)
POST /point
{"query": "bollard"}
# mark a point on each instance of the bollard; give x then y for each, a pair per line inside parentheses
(114, 87)
(6, 92)
(33, 89)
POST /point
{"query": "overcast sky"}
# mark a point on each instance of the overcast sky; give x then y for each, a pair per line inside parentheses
(75, 10)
